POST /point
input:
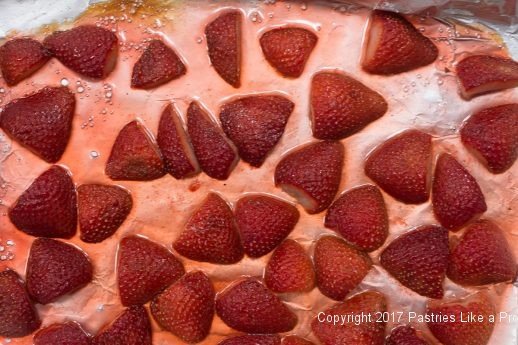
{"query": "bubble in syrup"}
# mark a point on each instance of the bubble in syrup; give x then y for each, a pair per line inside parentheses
(100, 307)
(304, 6)
(2, 248)
(199, 40)
(64, 82)
(94, 154)
(80, 89)
(10, 243)
(2, 90)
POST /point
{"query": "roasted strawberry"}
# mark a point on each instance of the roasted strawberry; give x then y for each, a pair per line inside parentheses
(255, 124)
(405, 335)
(256, 339)
(69, 333)
(393, 45)
(294, 340)
(131, 327)
(20, 58)
(342, 106)
(48, 208)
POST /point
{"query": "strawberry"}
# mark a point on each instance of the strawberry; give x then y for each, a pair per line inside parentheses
(264, 222)
(394, 45)
(255, 124)
(401, 166)
(88, 50)
(131, 327)
(419, 259)
(348, 333)
(268, 339)
(102, 209)
(41, 122)
(48, 208)
(339, 267)
(342, 106)
(157, 65)
(224, 44)
(482, 256)
(175, 145)
(144, 269)
(405, 335)
(210, 234)
(456, 195)
(248, 306)
(360, 216)
(312, 174)
(20, 58)
(217, 157)
(288, 49)
(134, 155)
(18, 317)
(186, 308)
(481, 74)
(492, 134)
(69, 333)
(294, 340)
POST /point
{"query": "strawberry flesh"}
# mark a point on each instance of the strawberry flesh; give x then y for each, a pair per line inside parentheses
(405, 335)
(20, 58)
(294, 340)
(131, 327)
(69, 333)
(248, 339)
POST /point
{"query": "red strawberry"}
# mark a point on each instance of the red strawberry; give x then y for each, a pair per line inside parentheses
(157, 65)
(217, 157)
(48, 208)
(175, 145)
(405, 335)
(294, 340)
(360, 216)
(145, 268)
(394, 45)
(287, 49)
(255, 124)
(342, 106)
(224, 44)
(20, 58)
(69, 333)
(41, 122)
(18, 317)
(312, 174)
(456, 197)
(269, 339)
(492, 134)
(348, 333)
(87, 50)
(480, 74)
(102, 210)
(210, 234)
(248, 306)
(339, 267)
(132, 327)
(419, 259)
(264, 222)
(134, 155)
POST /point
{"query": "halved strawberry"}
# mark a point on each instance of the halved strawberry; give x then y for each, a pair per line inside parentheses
(342, 106)
(264, 222)
(405, 335)
(144, 269)
(88, 50)
(492, 134)
(294, 340)
(256, 339)
(255, 124)
(248, 306)
(20, 58)
(48, 208)
(68, 333)
(131, 327)
(456, 195)
(134, 155)
(312, 174)
(419, 259)
(360, 216)
(41, 122)
(287, 49)
(393, 45)
(224, 44)
(210, 234)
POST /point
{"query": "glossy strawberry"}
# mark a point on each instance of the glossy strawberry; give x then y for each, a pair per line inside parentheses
(68, 333)
(256, 339)
(294, 340)
(405, 335)
(131, 327)
(20, 58)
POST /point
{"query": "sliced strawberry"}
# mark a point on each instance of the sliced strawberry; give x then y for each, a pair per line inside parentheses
(224, 44)
(248, 306)
(405, 335)
(131, 327)
(41, 122)
(255, 124)
(48, 208)
(456, 195)
(248, 339)
(394, 45)
(492, 134)
(20, 58)
(419, 259)
(342, 106)
(88, 50)
(102, 210)
(294, 340)
(264, 222)
(217, 157)
(134, 155)
(69, 333)
(144, 269)
(360, 216)
(18, 317)
(210, 234)
(312, 174)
